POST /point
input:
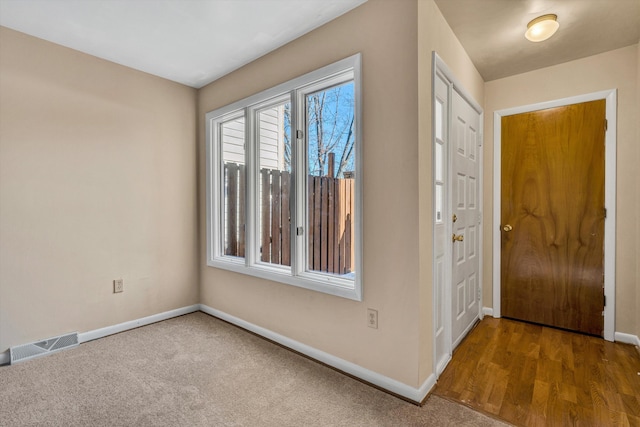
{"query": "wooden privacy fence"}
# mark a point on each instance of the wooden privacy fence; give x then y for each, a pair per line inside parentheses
(234, 214)
(275, 221)
(331, 230)
(331, 204)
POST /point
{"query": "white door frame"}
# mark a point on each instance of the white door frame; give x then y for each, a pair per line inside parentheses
(610, 97)
(439, 68)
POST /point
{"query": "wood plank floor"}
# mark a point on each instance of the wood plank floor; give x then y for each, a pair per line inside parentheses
(531, 375)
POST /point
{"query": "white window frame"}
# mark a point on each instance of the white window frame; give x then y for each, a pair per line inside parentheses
(348, 69)
(252, 190)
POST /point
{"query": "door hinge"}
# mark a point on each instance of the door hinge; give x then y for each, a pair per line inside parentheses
(605, 212)
(299, 231)
(299, 134)
(604, 298)
(479, 294)
(606, 124)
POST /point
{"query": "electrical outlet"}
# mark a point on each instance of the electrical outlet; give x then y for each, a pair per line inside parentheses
(372, 318)
(118, 286)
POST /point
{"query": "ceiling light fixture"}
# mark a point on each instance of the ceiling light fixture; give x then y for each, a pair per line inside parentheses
(542, 28)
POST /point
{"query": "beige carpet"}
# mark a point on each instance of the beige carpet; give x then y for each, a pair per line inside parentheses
(196, 370)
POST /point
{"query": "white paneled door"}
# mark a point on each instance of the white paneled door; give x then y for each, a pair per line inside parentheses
(465, 217)
(457, 206)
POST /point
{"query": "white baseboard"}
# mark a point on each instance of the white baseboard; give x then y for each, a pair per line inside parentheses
(425, 388)
(414, 394)
(487, 311)
(5, 357)
(627, 338)
(386, 383)
(121, 327)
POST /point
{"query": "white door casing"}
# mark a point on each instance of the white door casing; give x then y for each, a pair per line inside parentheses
(455, 309)
(441, 236)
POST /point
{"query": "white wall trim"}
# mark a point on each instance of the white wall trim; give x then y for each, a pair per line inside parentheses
(627, 338)
(442, 67)
(414, 394)
(487, 311)
(83, 337)
(610, 196)
(425, 388)
(132, 324)
(386, 383)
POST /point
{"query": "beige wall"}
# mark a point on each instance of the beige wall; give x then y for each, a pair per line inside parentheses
(97, 182)
(396, 40)
(386, 34)
(617, 69)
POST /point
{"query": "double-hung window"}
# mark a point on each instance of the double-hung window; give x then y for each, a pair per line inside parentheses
(284, 182)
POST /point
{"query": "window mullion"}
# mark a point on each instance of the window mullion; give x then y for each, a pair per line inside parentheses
(213, 181)
(250, 184)
(220, 187)
(299, 191)
(293, 211)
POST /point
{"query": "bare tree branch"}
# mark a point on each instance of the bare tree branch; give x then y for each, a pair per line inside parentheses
(348, 149)
(330, 119)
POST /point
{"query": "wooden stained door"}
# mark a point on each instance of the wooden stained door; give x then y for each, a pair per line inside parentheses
(552, 216)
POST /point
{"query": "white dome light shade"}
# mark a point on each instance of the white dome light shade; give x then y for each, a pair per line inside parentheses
(542, 28)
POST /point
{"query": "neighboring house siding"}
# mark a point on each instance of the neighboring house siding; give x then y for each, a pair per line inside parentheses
(271, 139)
(233, 137)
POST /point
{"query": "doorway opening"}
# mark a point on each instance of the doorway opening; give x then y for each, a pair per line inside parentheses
(499, 229)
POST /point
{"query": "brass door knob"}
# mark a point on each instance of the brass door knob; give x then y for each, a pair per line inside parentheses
(457, 237)
(507, 228)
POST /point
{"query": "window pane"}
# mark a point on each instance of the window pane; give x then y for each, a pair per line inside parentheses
(439, 119)
(439, 161)
(233, 144)
(274, 132)
(439, 203)
(331, 181)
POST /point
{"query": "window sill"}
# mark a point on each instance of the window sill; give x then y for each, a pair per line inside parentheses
(349, 289)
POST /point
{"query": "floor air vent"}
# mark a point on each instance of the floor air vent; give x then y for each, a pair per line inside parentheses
(24, 352)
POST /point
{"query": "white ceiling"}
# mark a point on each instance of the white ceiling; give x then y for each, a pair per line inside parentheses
(197, 41)
(192, 42)
(492, 31)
